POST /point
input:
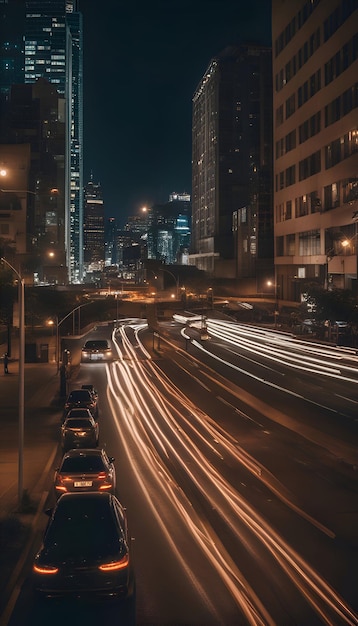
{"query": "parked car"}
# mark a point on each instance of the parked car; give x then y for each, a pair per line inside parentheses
(79, 432)
(96, 350)
(81, 398)
(92, 391)
(85, 470)
(86, 549)
(78, 412)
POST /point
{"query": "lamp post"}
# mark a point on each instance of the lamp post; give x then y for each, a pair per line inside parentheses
(176, 278)
(21, 390)
(58, 324)
(116, 297)
(276, 312)
(161, 269)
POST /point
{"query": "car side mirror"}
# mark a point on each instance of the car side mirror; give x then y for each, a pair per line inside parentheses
(111, 459)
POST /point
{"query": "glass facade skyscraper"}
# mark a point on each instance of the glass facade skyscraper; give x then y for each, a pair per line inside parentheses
(54, 50)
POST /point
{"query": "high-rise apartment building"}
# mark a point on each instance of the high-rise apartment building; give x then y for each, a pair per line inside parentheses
(315, 70)
(93, 228)
(232, 217)
(53, 50)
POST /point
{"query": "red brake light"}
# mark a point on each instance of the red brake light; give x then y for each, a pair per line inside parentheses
(44, 569)
(109, 567)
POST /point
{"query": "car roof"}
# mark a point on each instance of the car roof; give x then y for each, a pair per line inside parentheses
(77, 410)
(88, 511)
(80, 392)
(72, 420)
(84, 452)
(90, 495)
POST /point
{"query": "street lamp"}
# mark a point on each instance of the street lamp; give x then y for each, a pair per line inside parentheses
(161, 269)
(58, 324)
(21, 380)
(176, 278)
(116, 297)
(275, 285)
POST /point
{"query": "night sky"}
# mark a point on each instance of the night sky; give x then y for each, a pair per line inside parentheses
(142, 64)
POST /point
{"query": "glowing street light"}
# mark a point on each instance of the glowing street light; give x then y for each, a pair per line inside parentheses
(270, 283)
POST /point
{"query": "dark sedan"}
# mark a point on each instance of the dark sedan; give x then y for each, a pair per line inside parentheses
(85, 470)
(86, 549)
(81, 398)
(79, 432)
(78, 412)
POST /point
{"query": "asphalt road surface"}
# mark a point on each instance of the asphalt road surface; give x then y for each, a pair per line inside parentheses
(235, 459)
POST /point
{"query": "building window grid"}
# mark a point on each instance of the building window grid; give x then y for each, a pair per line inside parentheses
(341, 148)
(341, 60)
(337, 18)
(294, 25)
(309, 243)
(310, 127)
(298, 60)
(310, 165)
(341, 106)
(337, 64)
(330, 25)
(309, 88)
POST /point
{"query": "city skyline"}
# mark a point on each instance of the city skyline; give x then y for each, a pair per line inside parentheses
(142, 64)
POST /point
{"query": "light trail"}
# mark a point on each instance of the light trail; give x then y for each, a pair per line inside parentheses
(279, 349)
(162, 425)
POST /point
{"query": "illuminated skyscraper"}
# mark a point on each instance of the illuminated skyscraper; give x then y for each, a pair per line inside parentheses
(93, 230)
(232, 217)
(53, 50)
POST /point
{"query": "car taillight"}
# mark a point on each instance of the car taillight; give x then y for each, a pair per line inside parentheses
(110, 567)
(60, 488)
(60, 482)
(102, 475)
(44, 569)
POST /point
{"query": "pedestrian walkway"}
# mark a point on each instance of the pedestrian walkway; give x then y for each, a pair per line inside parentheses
(41, 423)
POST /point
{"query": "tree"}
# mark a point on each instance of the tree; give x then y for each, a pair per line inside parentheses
(332, 306)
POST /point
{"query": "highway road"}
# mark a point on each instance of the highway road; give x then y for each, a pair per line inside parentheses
(236, 459)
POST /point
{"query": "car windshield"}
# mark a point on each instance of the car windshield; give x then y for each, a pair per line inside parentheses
(80, 528)
(74, 422)
(80, 395)
(96, 345)
(82, 463)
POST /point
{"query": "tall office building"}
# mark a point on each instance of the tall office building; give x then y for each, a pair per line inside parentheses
(169, 230)
(12, 18)
(315, 70)
(53, 50)
(93, 228)
(110, 248)
(232, 164)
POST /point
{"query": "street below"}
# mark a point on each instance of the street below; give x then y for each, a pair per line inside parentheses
(236, 459)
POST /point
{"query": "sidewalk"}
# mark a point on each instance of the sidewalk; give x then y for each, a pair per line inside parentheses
(41, 387)
(42, 416)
